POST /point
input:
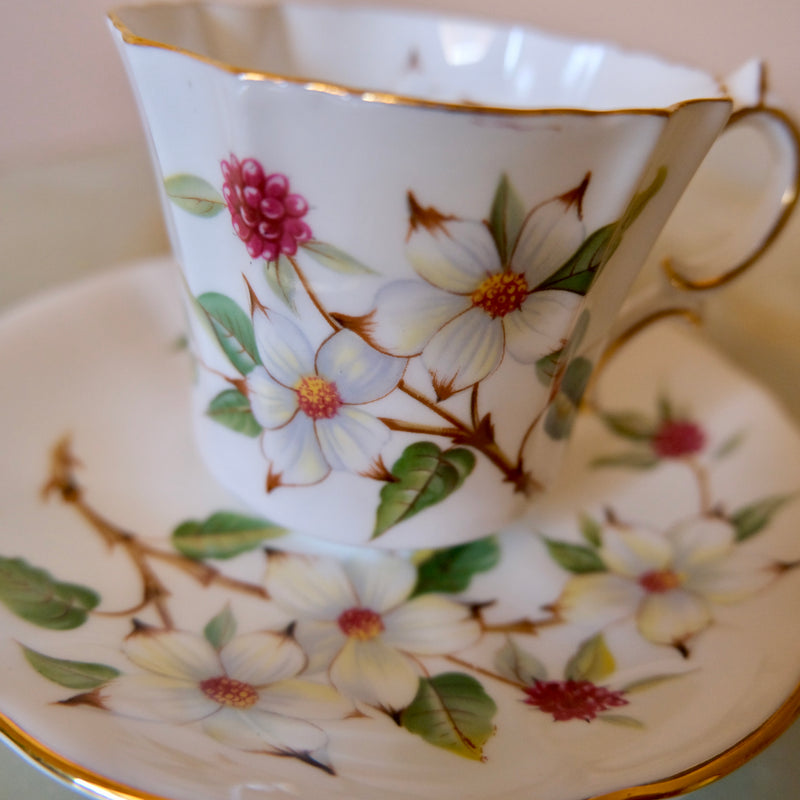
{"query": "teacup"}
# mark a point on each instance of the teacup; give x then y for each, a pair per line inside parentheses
(404, 240)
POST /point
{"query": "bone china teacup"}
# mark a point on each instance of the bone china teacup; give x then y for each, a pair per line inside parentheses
(404, 239)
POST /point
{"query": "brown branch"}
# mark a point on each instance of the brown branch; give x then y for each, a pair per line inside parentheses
(62, 480)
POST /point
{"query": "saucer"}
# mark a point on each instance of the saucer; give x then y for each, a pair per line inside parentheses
(633, 636)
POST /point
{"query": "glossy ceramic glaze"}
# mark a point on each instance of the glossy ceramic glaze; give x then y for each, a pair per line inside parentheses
(159, 641)
(404, 239)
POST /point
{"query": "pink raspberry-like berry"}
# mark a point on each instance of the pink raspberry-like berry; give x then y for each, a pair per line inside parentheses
(572, 699)
(266, 216)
(676, 438)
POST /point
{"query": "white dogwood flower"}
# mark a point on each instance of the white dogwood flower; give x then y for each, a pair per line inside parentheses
(308, 403)
(669, 582)
(357, 619)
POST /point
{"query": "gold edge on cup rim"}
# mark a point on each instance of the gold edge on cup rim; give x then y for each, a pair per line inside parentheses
(688, 780)
(391, 98)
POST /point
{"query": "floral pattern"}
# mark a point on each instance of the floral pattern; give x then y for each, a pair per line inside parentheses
(482, 295)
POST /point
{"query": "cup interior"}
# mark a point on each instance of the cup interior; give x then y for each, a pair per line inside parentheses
(417, 55)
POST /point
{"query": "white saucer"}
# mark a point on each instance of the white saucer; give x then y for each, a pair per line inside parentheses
(101, 363)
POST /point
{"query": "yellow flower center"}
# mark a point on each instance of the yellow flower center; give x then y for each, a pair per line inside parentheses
(501, 293)
(318, 398)
(229, 692)
(659, 581)
(360, 623)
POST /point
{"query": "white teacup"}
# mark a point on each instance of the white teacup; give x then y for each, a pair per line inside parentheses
(405, 239)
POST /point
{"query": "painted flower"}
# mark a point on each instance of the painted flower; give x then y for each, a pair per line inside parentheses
(571, 699)
(669, 582)
(357, 619)
(246, 694)
(678, 438)
(471, 307)
(308, 402)
(266, 216)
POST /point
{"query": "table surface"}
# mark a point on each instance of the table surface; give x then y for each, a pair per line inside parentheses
(67, 219)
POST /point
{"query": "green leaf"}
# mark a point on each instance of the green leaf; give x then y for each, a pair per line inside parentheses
(282, 279)
(232, 409)
(452, 711)
(220, 629)
(637, 205)
(576, 379)
(630, 425)
(223, 535)
(560, 418)
(518, 665)
(593, 661)
(233, 329)
(506, 218)
(547, 366)
(636, 459)
(753, 518)
(335, 259)
(623, 721)
(82, 675)
(37, 597)
(578, 273)
(193, 194)
(452, 569)
(576, 558)
(591, 530)
(730, 445)
(424, 475)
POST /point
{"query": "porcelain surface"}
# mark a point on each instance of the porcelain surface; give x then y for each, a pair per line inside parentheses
(394, 325)
(161, 641)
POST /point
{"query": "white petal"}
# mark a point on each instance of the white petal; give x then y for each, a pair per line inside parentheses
(309, 588)
(599, 598)
(430, 625)
(272, 404)
(373, 673)
(408, 313)
(294, 452)
(672, 617)
(731, 579)
(457, 258)
(284, 349)
(174, 654)
(262, 658)
(304, 699)
(633, 553)
(256, 730)
(154, 697)
(360, 372)
(541, 325)
(700, 541)
(550, 235)
(465, 351)
(381, 583)
(321, 640)
(352, 440)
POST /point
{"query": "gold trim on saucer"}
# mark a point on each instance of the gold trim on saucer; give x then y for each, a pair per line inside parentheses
(391, 98)
(689, 780)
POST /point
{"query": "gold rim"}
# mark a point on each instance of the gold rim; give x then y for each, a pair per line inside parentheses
(689, 780)
(390, 98)
(789, 199)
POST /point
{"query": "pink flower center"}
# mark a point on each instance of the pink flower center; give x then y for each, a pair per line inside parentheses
(318, 398)
(676, 438)
(567, 700)
(229, 692)
(360, 623)
(501, 293)
(265, 215)
(660, 581)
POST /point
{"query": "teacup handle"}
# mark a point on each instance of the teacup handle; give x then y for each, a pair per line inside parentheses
(678, 295)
